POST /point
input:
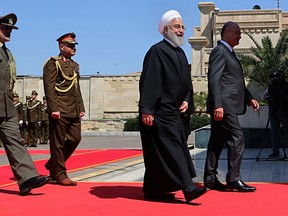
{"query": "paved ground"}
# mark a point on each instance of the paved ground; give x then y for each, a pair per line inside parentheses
(132, 170)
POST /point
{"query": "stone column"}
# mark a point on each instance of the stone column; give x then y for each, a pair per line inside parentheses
(198, 44)
(206, 19)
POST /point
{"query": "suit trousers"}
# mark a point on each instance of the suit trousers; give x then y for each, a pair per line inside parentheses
(224, 133)
(20, 161)
(64, 135)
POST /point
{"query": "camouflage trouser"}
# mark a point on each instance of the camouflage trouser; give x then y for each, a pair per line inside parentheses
(33, 131)
(25, 135)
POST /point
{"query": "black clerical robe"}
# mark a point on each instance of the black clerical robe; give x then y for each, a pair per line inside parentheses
(164, 84)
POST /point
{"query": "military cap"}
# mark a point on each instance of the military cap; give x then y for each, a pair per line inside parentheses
(68, 38)
(34, 93)
(44, 98)
(15, 94)
(28, 97)
(9, 20)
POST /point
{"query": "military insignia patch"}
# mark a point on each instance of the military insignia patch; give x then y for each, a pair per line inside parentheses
(10, 21)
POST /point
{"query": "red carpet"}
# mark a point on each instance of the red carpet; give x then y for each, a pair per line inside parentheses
(126, 199)
(81, 159)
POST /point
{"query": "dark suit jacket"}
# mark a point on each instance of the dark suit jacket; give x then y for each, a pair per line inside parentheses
(7, 107)
(226, 86)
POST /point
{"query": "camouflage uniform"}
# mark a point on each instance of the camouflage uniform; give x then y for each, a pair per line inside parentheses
(25, 122)
(44, 122)
(19, 109)
(34, 119)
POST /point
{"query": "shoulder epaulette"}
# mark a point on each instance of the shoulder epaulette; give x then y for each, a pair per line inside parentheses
(56, 58)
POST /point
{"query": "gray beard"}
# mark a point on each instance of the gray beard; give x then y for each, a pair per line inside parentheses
(178, 41)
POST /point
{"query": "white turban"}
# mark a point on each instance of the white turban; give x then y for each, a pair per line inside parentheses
(166, 18)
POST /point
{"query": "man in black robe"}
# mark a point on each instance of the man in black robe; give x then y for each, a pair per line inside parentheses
(166, 103)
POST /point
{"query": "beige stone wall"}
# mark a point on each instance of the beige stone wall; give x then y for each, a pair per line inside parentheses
(104, 97)
(121, 94)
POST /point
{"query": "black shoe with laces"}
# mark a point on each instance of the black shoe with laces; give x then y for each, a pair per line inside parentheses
(32, 183)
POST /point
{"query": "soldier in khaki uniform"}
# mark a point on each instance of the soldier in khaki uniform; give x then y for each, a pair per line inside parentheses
(65, 105)
(19, 159)
(44, 122)
(34, 119)
(25, 122)
(19, 109)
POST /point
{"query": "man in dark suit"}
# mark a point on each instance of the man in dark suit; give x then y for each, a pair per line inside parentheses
(166, 103)
(21, 163)
(227, 98)
(66, 108)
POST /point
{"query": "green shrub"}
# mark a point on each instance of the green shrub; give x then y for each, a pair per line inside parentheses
(196, 121)
(131, 125)
(199, 120)
(200, 101)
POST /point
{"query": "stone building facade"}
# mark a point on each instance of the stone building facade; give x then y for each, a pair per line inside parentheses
(257, 22)
(110, 99)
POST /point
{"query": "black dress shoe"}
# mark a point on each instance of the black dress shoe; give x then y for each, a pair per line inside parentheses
(217, 185)
(159, 196)
(194, 193)
(32, 145)
(52, 179)
(31, 183)
(240, 186)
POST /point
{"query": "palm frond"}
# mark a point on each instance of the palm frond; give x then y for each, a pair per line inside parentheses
(265, 59)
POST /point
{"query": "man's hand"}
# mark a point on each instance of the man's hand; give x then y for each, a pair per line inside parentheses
(218, 114)
(254, 104)
(82, 114)
(147, 119)
(55, 115)
(184, 107)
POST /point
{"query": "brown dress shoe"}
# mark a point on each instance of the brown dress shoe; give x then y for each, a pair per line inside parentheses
(67, 182)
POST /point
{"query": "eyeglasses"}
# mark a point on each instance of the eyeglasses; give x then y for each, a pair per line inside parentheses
(179, 27)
